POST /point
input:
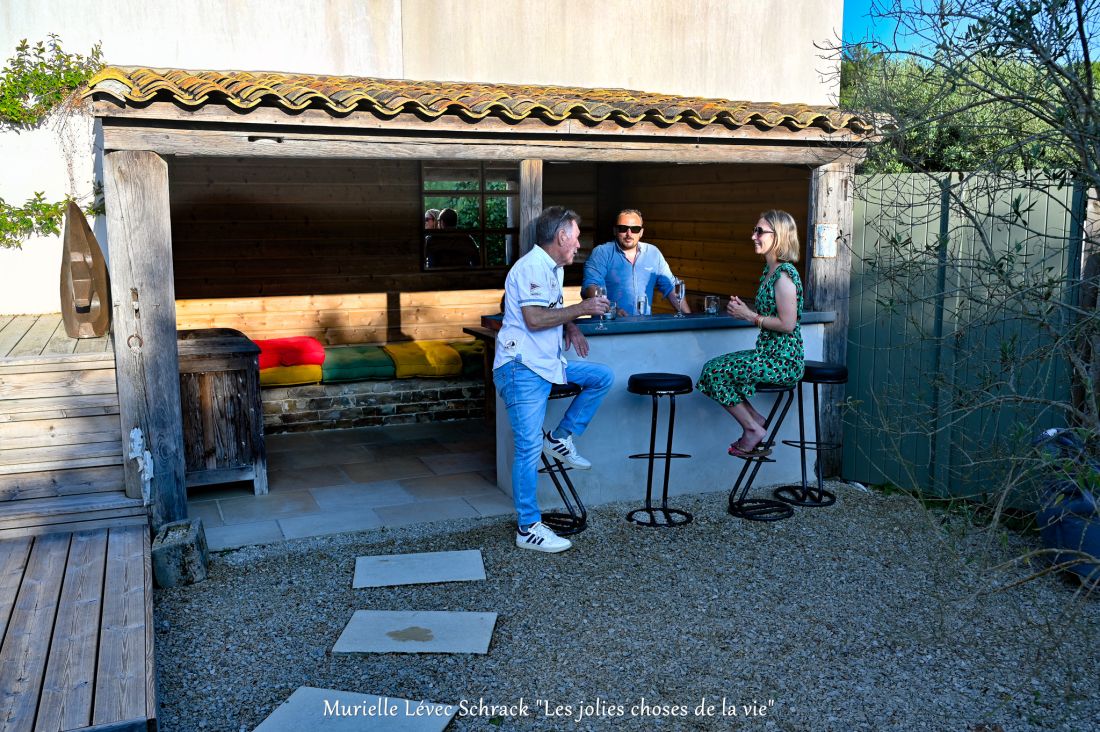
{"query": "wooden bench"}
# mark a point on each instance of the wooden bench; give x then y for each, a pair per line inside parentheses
(76, 622)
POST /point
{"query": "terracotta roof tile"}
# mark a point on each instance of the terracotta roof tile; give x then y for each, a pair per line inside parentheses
(244, 90)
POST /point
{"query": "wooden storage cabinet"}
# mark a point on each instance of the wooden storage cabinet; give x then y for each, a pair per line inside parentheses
(223, 431)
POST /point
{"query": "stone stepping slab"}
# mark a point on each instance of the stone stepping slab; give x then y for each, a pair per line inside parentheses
(416, 631)
(413, 569)
(328, 710)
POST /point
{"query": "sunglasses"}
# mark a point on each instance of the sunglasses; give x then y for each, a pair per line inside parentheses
(760, 232)
(622, 229)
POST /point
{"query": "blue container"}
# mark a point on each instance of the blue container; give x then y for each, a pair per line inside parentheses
(1069, 519)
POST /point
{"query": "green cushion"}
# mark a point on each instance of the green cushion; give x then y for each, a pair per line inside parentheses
(473, 356)
(356, 363)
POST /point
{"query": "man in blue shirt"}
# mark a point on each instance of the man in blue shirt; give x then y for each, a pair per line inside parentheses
(629, 267)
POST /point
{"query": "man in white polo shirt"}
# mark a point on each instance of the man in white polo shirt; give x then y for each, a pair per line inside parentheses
(530, 357)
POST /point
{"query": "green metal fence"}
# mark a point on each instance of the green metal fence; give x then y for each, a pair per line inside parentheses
(948, 372)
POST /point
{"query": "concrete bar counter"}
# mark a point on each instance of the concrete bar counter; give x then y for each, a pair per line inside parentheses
(665, 343)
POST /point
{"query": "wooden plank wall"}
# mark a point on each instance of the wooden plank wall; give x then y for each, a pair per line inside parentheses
(339, 319)
(701, 216)
(59, 427)
(272, 227)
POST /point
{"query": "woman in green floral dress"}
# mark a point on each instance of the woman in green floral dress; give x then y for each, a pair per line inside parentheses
(779, 357)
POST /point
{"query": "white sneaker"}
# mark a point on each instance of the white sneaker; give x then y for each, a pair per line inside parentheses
(540, 538)
(563, 450)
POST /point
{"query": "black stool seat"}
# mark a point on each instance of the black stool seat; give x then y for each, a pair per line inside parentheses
(819, 372)
(574, 519)
(762, 509)
(658, 383)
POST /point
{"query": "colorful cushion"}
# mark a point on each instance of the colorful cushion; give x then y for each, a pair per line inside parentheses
(424, 358)
(473, 356)
(290, 375)
(296, 351)
(356, 363)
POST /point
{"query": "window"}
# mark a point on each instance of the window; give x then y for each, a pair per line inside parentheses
(478, 226)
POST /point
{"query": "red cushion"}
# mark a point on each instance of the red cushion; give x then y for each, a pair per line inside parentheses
(297, 351)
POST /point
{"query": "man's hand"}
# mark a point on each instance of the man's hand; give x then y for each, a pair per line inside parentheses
(576, 339)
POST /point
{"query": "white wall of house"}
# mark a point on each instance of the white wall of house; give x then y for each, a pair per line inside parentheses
(756, 50)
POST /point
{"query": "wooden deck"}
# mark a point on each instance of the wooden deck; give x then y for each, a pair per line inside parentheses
(76, 622)
(27, 336)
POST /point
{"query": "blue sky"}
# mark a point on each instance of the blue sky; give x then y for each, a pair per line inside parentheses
(857, 26)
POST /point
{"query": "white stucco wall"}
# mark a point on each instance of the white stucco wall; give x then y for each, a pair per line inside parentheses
(757, 50)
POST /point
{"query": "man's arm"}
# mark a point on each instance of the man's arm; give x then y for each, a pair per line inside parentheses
(538, 317)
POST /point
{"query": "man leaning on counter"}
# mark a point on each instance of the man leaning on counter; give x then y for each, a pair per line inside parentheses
(629, 268)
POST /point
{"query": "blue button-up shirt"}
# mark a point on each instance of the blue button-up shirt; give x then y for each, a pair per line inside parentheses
(608, 266)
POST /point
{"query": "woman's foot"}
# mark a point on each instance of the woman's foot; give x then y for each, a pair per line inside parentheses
(749, 444)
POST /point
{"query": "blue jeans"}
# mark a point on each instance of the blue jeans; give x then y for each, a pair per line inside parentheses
(525, 393)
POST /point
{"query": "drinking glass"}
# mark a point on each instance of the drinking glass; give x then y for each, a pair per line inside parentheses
(712, 304)
(681, 292)
(641, 307)
(601, 291)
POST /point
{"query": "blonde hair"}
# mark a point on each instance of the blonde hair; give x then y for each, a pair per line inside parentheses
(787, 247)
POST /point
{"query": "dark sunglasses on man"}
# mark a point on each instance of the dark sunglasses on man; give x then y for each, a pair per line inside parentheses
(623, 228)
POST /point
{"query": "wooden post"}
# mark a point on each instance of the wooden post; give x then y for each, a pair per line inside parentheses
(828, 282)
(530, 202)
(143, 297)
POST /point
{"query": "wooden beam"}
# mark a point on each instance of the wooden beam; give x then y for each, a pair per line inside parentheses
(530, 202)
(828, 282)
(143, 297)
(319, 143)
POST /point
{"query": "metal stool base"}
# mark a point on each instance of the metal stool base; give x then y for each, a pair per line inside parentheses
(668, 517)
(796, 495)
(759, 509)
(574, 519)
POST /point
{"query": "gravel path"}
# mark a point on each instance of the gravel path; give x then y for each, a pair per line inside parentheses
(873, 614)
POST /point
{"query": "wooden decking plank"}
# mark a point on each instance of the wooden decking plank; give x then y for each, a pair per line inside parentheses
(27, 641)
(11, 460)
(56, 362)
(49, 383)
(14, 554)
(66, 699)
(150, 651)
(51, 483)
(74, 526)
(44, 508)
(94, 345)
(60, 343)
(13, 331)
(59, 432)
(35, 339)
(120, 672)
(62, 464)
(57, 405)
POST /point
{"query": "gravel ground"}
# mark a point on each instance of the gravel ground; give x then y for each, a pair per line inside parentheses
(873, 614)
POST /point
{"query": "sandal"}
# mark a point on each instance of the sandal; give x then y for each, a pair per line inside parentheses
(757, 452)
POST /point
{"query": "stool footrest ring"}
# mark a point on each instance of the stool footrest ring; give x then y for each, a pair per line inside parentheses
(565, 524)
(658, 455)
(659, 517)
(813, 445)
(759, 509)
(795, 495)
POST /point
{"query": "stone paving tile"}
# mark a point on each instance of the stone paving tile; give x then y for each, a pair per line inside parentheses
(447, 486)
(237, 489)
(416, 631)
(387, 570)
(329, 522)
(207, 511)
(391, 468)
(408, 448)
(271, 506)
(231, 537)
(297, 459)
(304, 711)
(353, 437)
(291, 441)
(301, 478)
(494, 503)
(460, 462)
(424, 511)
(472, 444)
(361, 495)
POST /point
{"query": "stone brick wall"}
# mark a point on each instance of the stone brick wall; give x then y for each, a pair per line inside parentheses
(371, 403)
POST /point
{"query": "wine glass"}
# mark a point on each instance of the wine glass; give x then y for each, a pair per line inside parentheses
(680, 287)
(600, 291)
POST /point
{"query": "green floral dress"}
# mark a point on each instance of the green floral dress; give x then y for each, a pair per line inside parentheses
(778, 358)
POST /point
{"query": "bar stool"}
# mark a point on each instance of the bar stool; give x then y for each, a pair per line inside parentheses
(575, 517)
(817, 372)
(658, 385)
(762, 509)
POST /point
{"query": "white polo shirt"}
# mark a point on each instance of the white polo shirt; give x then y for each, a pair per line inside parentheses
(535, 280)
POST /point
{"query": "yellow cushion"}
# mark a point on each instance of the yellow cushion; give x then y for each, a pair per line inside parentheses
(424, 358)
(290, 375)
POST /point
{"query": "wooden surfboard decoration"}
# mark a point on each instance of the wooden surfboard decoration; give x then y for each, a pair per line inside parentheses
(85, 291)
